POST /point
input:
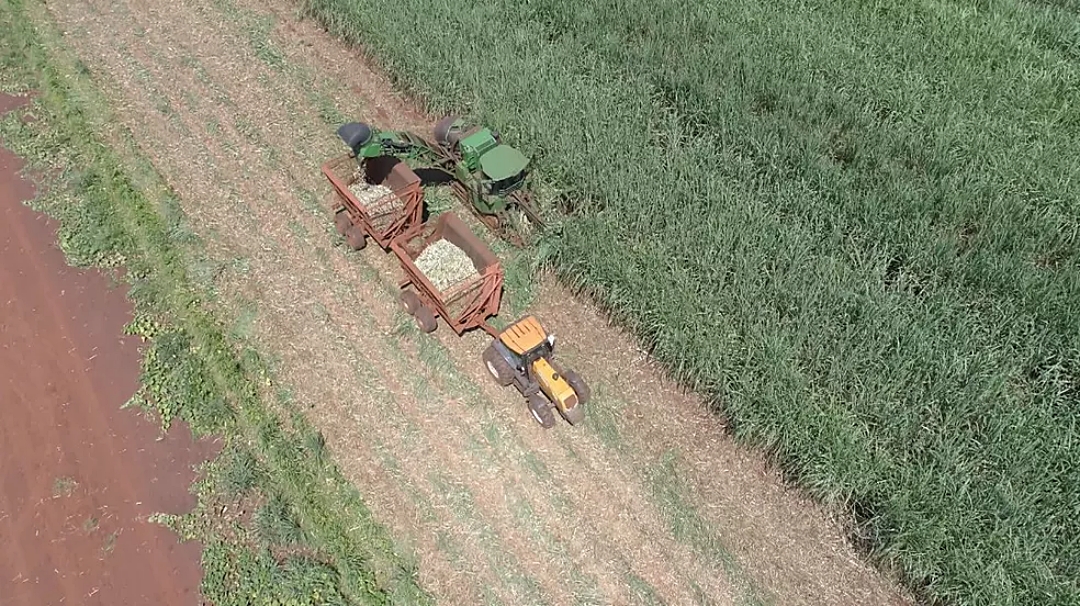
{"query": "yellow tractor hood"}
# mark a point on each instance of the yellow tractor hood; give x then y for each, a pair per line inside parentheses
(554, 385)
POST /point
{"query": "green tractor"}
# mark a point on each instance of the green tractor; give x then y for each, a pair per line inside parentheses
(488, 176)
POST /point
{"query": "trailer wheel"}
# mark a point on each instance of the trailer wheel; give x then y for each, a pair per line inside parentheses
(355, 238)
(411, 302)
(498, 366)
(541, 411)
(425, 319)
(342, 221)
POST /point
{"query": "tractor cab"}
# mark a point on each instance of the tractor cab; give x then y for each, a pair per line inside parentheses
(503, 168)
(526, 342)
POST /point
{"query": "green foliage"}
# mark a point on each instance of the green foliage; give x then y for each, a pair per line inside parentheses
(853, 225)
(276, 523)
(235, 576)
(315, 442)
(240, 472)
(175, 382)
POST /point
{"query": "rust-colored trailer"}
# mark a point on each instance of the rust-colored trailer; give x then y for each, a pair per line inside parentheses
(384, 218)
(464, 305)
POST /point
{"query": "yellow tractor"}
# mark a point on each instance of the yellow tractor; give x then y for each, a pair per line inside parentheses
(522, 355)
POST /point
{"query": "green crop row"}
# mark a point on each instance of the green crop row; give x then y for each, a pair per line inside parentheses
(853, 225)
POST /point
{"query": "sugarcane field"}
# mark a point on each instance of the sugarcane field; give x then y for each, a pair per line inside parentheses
(343, 303)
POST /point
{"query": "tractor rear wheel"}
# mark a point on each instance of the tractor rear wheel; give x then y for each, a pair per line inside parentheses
(442, 130)
(498, 366)
(541, 411)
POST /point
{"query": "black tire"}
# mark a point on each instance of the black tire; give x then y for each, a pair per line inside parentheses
(498, 367)
(355, 238)
(579, 386)
(425, 319)
(411, 302)
(442, 130)
(540, 409)
(342, 221)
(354, 134)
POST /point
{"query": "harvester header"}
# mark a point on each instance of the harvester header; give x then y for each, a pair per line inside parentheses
(487, 175)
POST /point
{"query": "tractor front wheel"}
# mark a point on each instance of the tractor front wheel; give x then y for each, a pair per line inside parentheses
(541, 411)
(498, 366)
(579, 386)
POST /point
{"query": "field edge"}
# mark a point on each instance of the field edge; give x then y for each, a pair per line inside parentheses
(276, 518)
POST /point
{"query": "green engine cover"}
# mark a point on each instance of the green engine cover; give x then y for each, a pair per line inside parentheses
(503, 162)
(476, 145)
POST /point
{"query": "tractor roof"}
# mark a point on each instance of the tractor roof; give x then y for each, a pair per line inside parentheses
(523, 335)
(503, 162)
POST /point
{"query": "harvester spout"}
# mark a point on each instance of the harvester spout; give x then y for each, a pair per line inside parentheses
(356, 135)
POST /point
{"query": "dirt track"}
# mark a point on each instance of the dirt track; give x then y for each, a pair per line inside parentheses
(78, 475)
(236, 106)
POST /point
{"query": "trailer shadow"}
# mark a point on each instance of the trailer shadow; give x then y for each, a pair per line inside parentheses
(433, 176)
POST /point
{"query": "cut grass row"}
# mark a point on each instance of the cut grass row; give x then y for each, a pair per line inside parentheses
(852, 225)
(311, 540)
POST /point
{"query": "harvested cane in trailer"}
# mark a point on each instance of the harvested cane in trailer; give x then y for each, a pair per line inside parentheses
(367, 194)
(445, 264)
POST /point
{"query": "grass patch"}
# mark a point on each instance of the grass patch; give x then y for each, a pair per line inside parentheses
(328, 110)
(689, 527)
(245, 321)
(191, 370)
(276, 523)
(64, 486)
(641, 592)
(509, 570)
(603, 418)
(583, 587)
(861, 245)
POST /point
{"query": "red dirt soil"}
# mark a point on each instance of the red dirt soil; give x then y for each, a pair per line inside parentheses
(78, 475)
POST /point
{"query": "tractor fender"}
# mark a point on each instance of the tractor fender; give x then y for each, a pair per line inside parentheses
(522, 380)
(511, 359)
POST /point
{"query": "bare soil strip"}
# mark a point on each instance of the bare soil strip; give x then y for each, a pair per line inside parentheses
(236, 105)
(79, 475)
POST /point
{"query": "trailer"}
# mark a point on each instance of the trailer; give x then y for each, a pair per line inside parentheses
(450, 274)
(380, 198)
